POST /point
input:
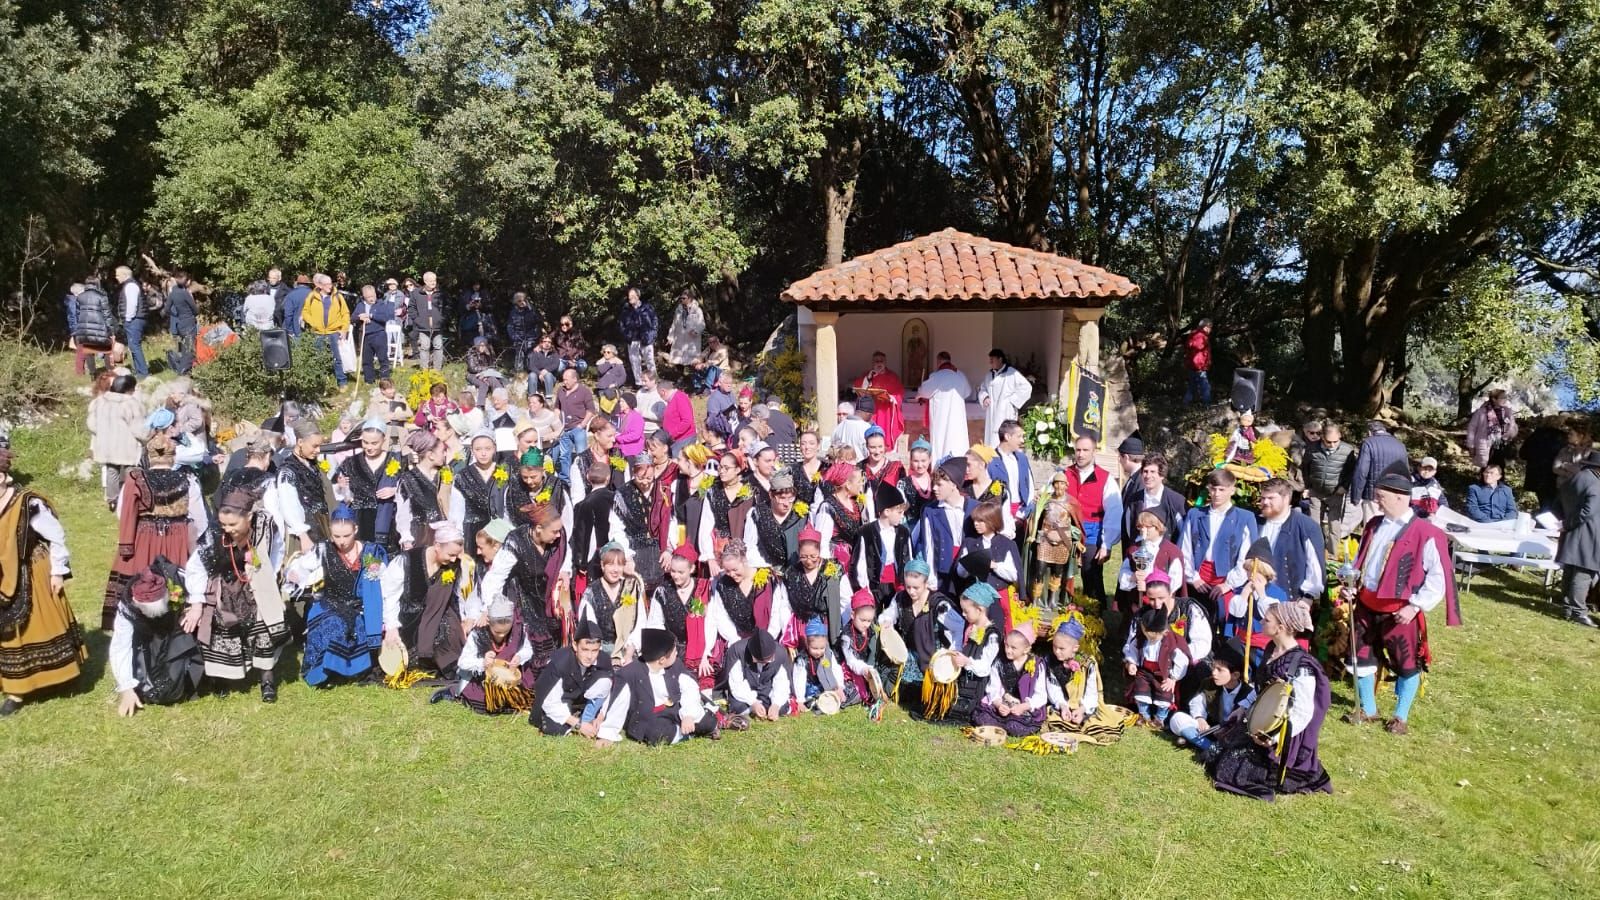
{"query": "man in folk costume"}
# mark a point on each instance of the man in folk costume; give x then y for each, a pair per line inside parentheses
(304, 492)
(571, 691)
(153, 660)
(536, 487)
(814, 587)
(1405, 572)
(591, 525)
(482, 481)
(426, 492)
(641, 521)
(368, 482)
(763, 465)
(41, 645)
(772, 529)
(1003, 394)
(883, 548)
(937, 538)
(1100, 502)
(878, 466)
(945, 394)
(494, 674)
(424, 590)
(532, 567)
(654, 699)
(1014, 471)
(1216, 537)
(601, 449)
(889, 396)
(234, 608)
(1296, 542)
(758, 680)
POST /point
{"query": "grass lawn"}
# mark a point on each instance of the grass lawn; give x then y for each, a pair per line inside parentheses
(365, 792)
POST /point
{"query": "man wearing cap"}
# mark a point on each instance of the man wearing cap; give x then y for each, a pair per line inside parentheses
(1003, 394)
(1379, 453)
(937, 538)
(425, 590)
(1295, 542)
(851, 431)
(887, 393)
(944, 394)
(654, 700)
(758, 679)
(772, 527)
(1427, 494)
(304, 493)
(1012, 468)
(1130, 462)
(1405, 572)
(1579, 551)
(152, 659)
(571, 692)
(1100, 502)
(641, 521)
(367, 482)
(1216, 537)
(883, 548)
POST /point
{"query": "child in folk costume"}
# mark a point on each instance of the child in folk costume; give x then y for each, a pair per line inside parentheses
(1015, 699)
(1058, 546)
(991, 557)
(494, 672)
(1215, 704)
(882, 549)
(1185, 617)
(864, 660)
(980, 647)
(1158, 661)
(926, 620)
(1240, 611)
(571, 692)
(1150, 551)
(612, 602)
(1259, 767)
(530, 566)
(680, 604)
(344, 621)
(654, 699)
(425, 590)
(1073, 686)
(937, 537)
(152, 659)
(817, 671)
(917, 482)
(234, 607)
(758, 681)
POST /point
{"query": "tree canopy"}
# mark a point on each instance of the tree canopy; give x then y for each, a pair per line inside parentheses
(1336, 184)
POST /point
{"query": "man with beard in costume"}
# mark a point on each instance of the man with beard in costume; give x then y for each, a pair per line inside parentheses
(368, 482)
(571, 691)
(654, 699)
(234, 608)
(424, 591)
(153, 660)
(531, 566)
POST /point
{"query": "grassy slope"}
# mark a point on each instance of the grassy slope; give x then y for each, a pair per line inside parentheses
(361, 791)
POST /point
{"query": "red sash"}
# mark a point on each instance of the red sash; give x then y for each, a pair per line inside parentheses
(1372, 601)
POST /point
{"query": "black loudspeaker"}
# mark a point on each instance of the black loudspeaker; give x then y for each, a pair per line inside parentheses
(275, 349)
(1249, 389)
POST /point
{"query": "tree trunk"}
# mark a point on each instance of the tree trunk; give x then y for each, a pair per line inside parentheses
(1465, 391)
(838, 199)
(1317, 330)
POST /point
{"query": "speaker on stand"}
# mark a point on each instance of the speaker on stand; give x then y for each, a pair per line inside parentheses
(275, 350)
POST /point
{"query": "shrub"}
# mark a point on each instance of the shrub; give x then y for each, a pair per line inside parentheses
(783, 373)
(29, 384)
(240, 387)
(421, 385)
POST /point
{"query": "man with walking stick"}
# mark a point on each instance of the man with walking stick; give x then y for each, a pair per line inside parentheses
(373, 314)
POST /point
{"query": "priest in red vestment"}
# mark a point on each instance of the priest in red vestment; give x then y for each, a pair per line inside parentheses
(888, 414)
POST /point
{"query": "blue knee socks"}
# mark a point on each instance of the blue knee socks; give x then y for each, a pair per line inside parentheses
(1144, 710)
(1405, 691)
(1195, 739)
(1367, 690)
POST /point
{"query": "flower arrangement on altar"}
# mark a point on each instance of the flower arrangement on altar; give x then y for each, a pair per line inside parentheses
(1271, 461)
(1044, 429)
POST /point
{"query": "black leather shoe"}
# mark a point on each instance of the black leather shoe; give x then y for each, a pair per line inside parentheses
(10, 707)
(269, 689)
(440, 695)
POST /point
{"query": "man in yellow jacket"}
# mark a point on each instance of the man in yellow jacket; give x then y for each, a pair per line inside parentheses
(326, 316)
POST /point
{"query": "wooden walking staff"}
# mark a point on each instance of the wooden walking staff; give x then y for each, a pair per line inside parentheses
(1250, 614)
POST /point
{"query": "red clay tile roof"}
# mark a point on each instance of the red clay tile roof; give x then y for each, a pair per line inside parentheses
(951, 268)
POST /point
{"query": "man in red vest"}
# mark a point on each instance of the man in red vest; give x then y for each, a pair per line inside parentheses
(1101, 501)
(1405, 572)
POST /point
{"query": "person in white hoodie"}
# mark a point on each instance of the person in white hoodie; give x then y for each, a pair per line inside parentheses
(116, 431)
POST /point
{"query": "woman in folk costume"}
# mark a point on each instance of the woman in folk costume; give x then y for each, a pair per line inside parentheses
(1255, 766)
(571, 691)
(368, 482)
(991, 557)
(612, 602)
(744, 600)
(917, 482)
(160, 513)
(234, 607)
(808, 469)
(531, 567)
(482, 482)
(305, 496)
(772, 527)
(1015, 697)
(495, 677)
(426, 494)
(841, 515)
(927, 621)
(41, 645)
(813, 586)
(980, 648)
(654, 699)
(679, 607)
(425, 590)
(536, 486)
(344, 624)
(980, 484)
(1405, 573)
(641, 521)
(1057, 546)
(727, 503)
(879, 467)
(152, 659)
(883, 548)
(688, 488)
